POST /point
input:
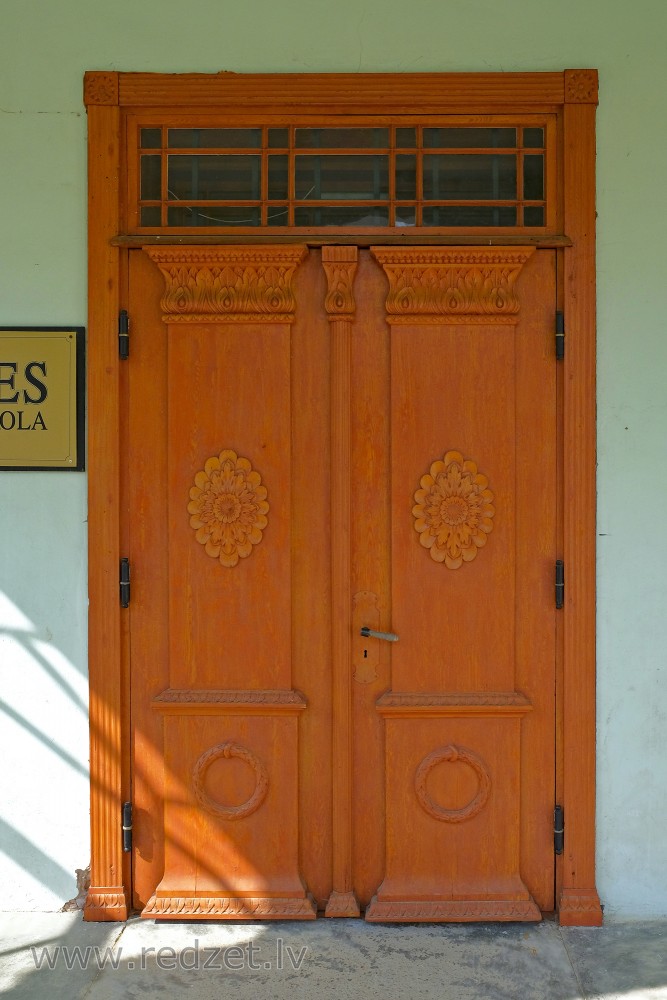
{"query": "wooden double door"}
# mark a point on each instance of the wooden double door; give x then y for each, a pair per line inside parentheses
(320, 442)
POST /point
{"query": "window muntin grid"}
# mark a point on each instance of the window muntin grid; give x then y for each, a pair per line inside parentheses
(466, 176)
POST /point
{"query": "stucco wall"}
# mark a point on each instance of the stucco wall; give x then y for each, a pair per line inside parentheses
(44, 49)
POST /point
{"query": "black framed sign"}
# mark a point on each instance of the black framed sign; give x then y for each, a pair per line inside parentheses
(42, 397)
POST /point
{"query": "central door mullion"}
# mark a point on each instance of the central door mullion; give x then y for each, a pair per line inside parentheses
(340, 264)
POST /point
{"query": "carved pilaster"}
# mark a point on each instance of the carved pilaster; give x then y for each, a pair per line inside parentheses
(450, 285)
(228, 283)
(340, 264)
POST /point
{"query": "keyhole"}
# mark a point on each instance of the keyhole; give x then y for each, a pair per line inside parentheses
(365, 654)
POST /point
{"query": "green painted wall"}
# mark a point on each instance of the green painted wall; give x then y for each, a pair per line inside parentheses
(45, 46)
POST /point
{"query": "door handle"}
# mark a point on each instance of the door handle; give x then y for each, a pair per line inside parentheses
(370, 633)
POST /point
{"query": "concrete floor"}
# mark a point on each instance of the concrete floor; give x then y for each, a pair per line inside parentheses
(336, 959)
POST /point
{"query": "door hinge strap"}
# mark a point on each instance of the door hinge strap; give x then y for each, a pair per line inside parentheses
(559, 829)
(560, 583)
(560, 336)
(125, 583)
(123, 335)
(126, 826)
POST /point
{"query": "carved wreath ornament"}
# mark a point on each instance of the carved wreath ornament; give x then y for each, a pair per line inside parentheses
(228, 507)
(454, 510)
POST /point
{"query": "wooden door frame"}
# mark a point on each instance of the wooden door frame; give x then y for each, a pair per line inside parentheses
(572, 95)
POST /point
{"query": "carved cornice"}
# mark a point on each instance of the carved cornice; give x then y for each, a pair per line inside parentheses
(340, 265)
(237, 908)
(224, 702)
(451, 910)
(408, 704)
(227, 284)
(581, 86)
(448, 285)
(100, 88)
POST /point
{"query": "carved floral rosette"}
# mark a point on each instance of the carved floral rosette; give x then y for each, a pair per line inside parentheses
(228, 507)
(454, 510)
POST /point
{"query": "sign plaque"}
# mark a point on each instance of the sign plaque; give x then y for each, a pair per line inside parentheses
(42, 398)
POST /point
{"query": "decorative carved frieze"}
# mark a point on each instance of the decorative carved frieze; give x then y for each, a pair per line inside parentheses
(454, 510)
(452, 910)
(225, 751)
(452, 285)
(228, 284)
(274, 698)
(452, 754)
(228, 507)
(409, 704)
(240, 908)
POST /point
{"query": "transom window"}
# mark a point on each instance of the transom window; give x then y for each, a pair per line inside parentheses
(443, 175)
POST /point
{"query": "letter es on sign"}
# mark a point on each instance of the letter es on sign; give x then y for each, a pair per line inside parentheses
(42, 386)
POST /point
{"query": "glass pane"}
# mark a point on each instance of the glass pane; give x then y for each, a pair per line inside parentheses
(277, 215)
(341, 138)
(406, 138)
(468, 215)
(183, 215)
(473, 177)
(462, 138)
(533, 216)
(151, 138)
(277, 177)
(150, 178)
(341, 216)
(342, 178)
(533, 177)
(533, 137)
(278, 138)
(151, 215)
(406, 176)
(215, 138)
(405, 215)
(215, 178)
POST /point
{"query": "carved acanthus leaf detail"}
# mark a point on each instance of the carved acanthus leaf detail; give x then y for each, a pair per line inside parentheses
(454, 510)
(340, 265)
(252, 284)
(444, 283)
(452, 754)
(228, 507)
(227, 750)
(230, 906)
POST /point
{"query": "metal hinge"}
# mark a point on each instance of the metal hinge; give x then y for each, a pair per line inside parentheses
(560, 336)
(560, 583)
(126, 826)
(123, 335)
(125, 583)
(559, 829)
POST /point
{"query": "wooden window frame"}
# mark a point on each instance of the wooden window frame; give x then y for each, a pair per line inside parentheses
(571, 95)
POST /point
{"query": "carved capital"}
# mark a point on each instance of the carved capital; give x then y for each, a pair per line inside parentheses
(100, 88)
(232, 284)
(446, 285)
(340, 265)
(581, 86)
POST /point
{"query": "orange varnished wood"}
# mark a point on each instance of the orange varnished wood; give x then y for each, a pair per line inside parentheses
(579, 495)
(340, 265)
(253, 691)
(107, 898)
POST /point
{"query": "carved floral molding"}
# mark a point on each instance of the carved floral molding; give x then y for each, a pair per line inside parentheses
(454, 510)
(449, 285)
(248, 284)
(228, 507)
